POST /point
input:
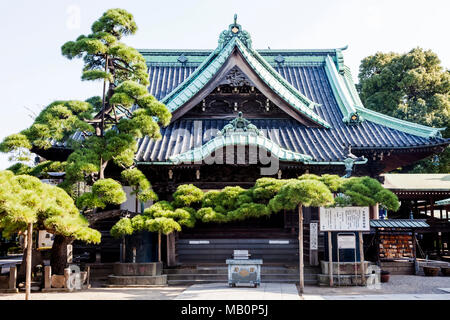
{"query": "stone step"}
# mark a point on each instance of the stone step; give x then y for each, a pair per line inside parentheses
(137, 280)
(271, 277)
(224, 270)
(190, 282)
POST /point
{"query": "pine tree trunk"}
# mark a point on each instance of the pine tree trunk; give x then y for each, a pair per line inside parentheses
(159, 246)
(58, 259)
(28, 273)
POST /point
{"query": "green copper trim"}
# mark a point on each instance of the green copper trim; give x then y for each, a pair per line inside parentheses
(401, 125)
(207, 70)
(241, 132)
(279, 85)
(200, 77)
(313, 162)
(343, 97)
(443, 202)
(350, 104)
(241, 138)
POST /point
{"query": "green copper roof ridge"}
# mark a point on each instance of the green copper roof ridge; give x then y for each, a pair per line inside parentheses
(236, 138)
(348, 80)
(194, 76)
(310, 104)
(334, 162)
(374, 116)
(443, 202)
(304, 108)
(343, 96)
(398, 124)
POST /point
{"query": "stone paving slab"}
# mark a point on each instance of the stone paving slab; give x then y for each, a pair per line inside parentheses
(380, 297)
(221, 291)
(155, 293)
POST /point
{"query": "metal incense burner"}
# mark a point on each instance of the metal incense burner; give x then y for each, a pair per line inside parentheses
(242, 270)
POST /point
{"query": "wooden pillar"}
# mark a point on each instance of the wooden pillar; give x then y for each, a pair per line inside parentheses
(417, 208)
(432, 207)
(361, 258)
(28, 262)
(123, 257)
(159, 247)
(330, 259)
(377, 241)
(300, 244)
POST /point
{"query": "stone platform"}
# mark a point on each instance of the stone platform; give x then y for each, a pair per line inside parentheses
(344, 274)
(137, 274)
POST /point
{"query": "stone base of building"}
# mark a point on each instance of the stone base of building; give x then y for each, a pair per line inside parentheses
(344, 274)
(344, 268)
(347, 280)
(137, 274)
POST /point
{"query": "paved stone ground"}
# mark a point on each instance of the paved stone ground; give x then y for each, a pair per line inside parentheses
(221, 291)
(398, 287)
(153, 293)
(379, 297)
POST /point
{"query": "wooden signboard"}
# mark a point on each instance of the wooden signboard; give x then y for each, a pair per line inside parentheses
(344, 219)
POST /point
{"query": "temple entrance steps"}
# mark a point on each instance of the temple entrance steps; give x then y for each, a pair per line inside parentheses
(273, 250)
(210, 273)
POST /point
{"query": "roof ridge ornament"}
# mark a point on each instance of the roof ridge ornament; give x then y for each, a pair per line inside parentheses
(239, 124)
(234, 30)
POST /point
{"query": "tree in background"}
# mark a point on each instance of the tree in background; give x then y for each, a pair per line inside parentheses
(101, 130)
(26, 204)
(413, 87)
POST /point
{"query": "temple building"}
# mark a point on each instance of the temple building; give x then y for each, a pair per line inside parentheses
(239, 114)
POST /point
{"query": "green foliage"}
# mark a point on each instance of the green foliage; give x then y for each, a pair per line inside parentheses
(25, 199)
(187, 195)
(141, 186)
(121, 228)
(20, 168)
(104, 192)
(365, 191)
(267, 196)
(306, 192)
(267, 188)
(413, 87)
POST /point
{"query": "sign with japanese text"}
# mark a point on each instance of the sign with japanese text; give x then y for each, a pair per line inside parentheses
(313, 236)
(344, 219)
(347, 241)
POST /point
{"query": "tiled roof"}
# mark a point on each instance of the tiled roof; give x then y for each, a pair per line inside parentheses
(321, 144)
(399, 223)
(315, 83)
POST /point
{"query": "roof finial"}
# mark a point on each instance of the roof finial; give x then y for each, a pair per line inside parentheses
(235, 18)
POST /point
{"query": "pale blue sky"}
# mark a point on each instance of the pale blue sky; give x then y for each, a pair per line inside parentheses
(34, 73)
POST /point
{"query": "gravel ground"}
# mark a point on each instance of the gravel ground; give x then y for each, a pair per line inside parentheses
(398, 284)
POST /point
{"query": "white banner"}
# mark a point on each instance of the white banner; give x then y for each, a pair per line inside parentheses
(344, 219)
(313, 236)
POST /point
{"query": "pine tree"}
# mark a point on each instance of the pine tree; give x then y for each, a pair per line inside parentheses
(100, 130)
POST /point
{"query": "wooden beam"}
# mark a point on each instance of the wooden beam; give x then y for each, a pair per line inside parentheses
(300, 243)
(330, 259)
(28, 261)
(361, 258)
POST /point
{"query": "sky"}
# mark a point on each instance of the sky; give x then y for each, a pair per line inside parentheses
(34, 73)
